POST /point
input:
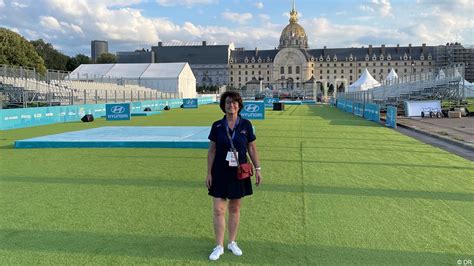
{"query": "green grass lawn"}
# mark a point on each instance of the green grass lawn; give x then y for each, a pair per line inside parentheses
(336, 190)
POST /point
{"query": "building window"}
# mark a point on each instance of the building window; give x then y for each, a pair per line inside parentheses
(239, 66)
(335, 71)
(320, 71)
(240, 73)
(253, 72)
(246, 73)
(396, 63)
(328, 66)
(327, 71)
(231, 72)
(253, 66)
(350, 64)
(366, 64)
(246, 79)
(350, 77)
(350, 71)
(388, 63)
(342, 77)
(297, 70)
(321, 65)
(359, 71)
(259, 66)
(231, 79)
(259, 72)
(373, 64)
(240, 79)
(381, 63)
(290, 70)
(312, 71)
(335, 65)
(268, 78)
(359, 64)
(268, 72)
(320, 77)
(405, 70)
(282, 70)
(342, 64)
(342, 71)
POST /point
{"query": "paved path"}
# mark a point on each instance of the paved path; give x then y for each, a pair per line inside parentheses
(455, 135)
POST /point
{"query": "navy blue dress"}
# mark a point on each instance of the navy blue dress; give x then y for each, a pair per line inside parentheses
(224, 177)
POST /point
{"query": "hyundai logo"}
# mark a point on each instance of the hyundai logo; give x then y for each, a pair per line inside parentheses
(270, 101)
(252, 108)
(189, 101)
(117, 109)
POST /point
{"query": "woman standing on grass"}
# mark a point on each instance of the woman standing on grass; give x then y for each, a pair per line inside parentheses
(221, 179)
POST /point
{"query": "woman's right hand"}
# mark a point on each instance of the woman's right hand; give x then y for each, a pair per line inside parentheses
(209, 181)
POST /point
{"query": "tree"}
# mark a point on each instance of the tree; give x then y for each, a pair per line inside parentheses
(106, 58)
(16, 50)
(74, 62)
(53, 59)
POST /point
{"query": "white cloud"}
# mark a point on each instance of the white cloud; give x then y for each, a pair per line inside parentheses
(18, 5)
(187, 3)
(259, 5)
(382, 8)
(240, 18)
(2, 4)
(50, 23)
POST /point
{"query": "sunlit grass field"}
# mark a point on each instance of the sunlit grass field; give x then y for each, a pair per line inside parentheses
(336, 190)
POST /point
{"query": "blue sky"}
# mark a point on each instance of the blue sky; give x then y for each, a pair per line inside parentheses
(70, 25)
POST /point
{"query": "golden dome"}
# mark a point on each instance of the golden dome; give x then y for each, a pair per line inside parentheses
(293, 35)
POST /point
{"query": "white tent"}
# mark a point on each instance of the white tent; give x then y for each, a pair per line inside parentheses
(392, 75)
(165, 77)
(365, 82)
(441, 75)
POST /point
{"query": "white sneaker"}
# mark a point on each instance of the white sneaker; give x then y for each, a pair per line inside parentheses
(216, 252)
(232, 246)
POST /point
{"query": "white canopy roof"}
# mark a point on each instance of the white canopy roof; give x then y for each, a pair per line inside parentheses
(365, 82)
(128, 71)
(392, 75)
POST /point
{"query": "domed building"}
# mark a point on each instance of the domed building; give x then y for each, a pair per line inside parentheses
(293, 66)
(293, 35)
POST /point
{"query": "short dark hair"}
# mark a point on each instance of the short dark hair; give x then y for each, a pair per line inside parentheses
(235, 96)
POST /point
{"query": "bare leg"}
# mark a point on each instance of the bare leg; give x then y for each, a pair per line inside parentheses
(219, 219)
(234, 218)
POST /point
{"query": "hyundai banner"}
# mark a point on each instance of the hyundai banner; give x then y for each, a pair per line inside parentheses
(253, 110)
(190, 103)
(118, 111)
(269, 102)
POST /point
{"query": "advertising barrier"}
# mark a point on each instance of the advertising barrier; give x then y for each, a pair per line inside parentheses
(253, 110)
(29, 117)
(117, 111)
(358, 109)
(372, 112)
(391, 120)
(190, 103)
(269, 102)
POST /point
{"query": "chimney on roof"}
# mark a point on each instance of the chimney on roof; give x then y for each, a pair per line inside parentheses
(383, 48)
(370, 49)
(398, 48)
(160, 44)
(409, 48)
(204, 43)
(256, 51)
(423, 48)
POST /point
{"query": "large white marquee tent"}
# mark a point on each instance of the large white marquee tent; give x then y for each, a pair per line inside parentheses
(166, 77)
(365, 82)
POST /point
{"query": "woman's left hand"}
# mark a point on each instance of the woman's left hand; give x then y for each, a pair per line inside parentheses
(258, 178)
